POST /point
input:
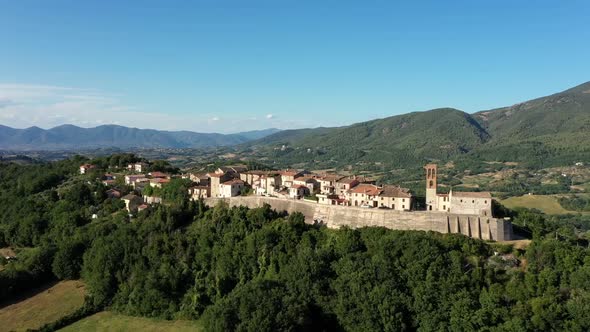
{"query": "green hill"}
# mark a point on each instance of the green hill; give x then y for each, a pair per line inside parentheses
(553, 129)
(399, 139)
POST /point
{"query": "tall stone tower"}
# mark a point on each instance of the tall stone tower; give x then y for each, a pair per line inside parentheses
(431, 200)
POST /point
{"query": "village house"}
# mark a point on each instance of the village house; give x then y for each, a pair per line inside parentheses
(395, 198)
(113, 193)
(289, 175)
(308, 181)
(199, 192)
(331, 199)
(159, 175)
(85, 168)
(142, 207)
(231, 170)
(215, 180)
(132, 179)
(364, 195)
(231, 188)
(152, 199)
(200, 179)
(269, 184)
(328, 183)
(158, 182)
(138, 167)
(131, 202)
(298, 191)
(342, 186)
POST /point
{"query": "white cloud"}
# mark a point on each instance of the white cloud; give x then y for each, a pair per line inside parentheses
(269, 116)
(215, 118)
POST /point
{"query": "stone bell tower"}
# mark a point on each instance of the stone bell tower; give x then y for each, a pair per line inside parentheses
(431, 200)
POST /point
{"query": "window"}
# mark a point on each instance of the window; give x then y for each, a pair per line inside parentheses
(403, 206)
(403, 199)
(473, 201)
(461, 201)
(444, 207)
(485, 202)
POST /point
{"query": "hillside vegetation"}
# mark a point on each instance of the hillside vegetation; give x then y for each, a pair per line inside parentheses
(553, 130)
(240, 269)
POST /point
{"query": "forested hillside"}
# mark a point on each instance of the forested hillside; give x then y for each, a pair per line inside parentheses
(552, 130)
(261, 270)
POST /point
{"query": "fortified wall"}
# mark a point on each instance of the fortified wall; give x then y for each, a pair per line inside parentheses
(334, 216)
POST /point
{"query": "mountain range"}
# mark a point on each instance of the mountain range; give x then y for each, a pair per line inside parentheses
(549, 130)
(553, 129)
(69, 137)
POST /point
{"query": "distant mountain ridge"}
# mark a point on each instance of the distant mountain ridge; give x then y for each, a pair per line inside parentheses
(70, 137)
(555, 128)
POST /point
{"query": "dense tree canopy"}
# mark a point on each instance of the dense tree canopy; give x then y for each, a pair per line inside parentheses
(240, 269)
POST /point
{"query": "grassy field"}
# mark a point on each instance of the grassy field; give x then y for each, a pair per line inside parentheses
(42, 306)
(113, 322)
(547, 204)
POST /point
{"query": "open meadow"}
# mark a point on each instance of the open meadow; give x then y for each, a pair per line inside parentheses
(113, 322)
(42, 306)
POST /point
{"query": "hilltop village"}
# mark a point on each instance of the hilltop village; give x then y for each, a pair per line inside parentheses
(291, 184)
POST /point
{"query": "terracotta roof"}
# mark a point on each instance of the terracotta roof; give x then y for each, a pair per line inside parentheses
(158, 175)
(298, 186)
(395, 191)
(130, 197)
(368, 189)
(289, 172)
(472, 194)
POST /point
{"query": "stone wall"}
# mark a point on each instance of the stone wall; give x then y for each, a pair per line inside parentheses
(332, 216)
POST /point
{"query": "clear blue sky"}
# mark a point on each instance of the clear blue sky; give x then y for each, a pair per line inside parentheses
(228, 66)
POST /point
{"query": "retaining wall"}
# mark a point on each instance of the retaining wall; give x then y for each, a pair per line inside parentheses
(334, 216)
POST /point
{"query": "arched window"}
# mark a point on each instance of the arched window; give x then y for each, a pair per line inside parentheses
(431, 183)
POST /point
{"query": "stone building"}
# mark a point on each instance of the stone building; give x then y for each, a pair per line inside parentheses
(364, 195)
(215, 181)
(198, 192)
(342, 186)
(231, 188)
(395, 198)
(474, 203)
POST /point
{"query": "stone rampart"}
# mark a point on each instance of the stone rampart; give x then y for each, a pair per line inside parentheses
(333, 216)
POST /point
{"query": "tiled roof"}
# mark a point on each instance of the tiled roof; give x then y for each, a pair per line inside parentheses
(472, 194)
(395, 191)
(367, 189)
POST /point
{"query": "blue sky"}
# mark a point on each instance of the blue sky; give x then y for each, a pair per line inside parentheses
(229, 66)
